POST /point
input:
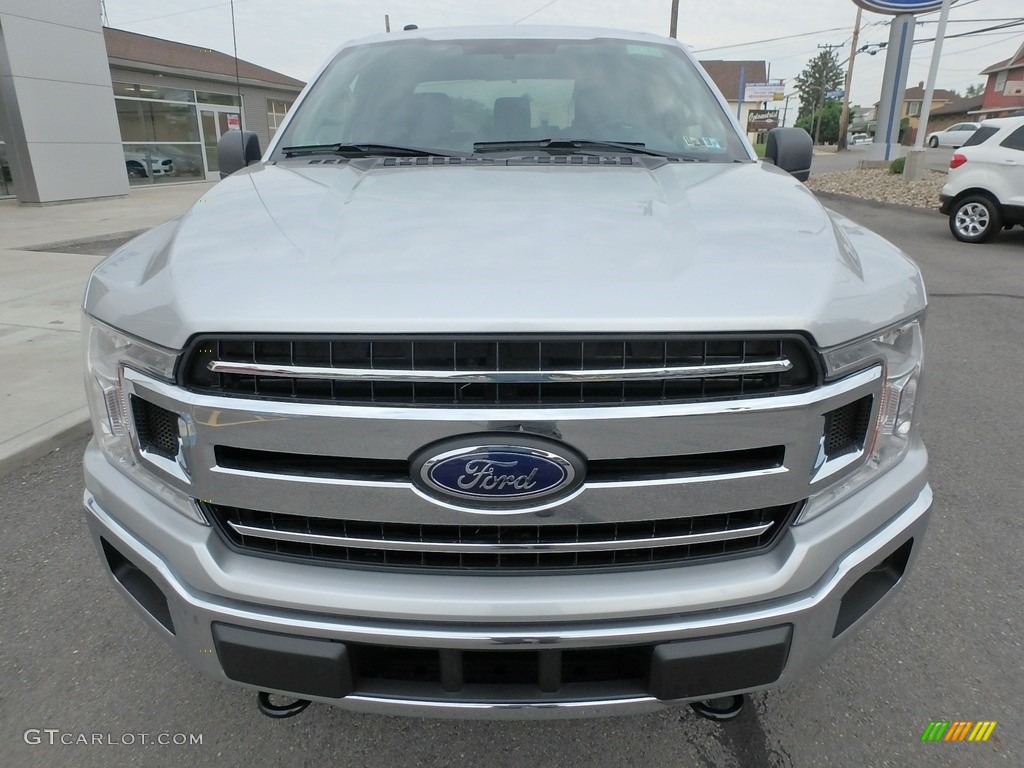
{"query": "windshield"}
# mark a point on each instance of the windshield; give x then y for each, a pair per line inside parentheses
(461, 95)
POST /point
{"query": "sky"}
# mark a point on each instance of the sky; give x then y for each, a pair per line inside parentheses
(296, 36)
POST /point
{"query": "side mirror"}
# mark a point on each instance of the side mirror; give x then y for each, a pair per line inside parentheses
(790, 149)
(237, 149)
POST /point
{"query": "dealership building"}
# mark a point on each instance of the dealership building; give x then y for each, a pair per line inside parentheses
(88, 111)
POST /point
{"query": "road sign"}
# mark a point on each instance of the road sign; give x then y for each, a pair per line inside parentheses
(900, 6)
(762, 120)
(764, 92)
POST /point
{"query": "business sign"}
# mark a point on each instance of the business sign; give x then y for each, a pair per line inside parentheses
(762, 120)
(764, 92)
(900, 6)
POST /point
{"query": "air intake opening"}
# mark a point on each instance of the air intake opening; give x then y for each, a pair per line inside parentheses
(157, 428)
(139, 585)
(871, 587)
(846, 428)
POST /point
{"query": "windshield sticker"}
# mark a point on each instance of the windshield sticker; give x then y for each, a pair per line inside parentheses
(702, 142)
(643, 50)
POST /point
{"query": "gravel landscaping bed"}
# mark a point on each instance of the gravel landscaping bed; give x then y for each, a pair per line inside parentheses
(881, 186)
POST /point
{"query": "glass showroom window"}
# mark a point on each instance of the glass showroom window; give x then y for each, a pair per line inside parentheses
(160, 133)
(5, 171)
(276, 110)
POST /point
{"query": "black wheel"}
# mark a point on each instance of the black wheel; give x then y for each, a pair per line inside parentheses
(136, 170)
(975, 219)
(933, 142)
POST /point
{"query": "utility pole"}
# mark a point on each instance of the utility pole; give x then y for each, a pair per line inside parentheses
(673, 26)
(844, 118)
(387, 23)
(785, 110)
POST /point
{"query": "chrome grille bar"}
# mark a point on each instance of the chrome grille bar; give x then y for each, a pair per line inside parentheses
(509, 548)
(502, 377)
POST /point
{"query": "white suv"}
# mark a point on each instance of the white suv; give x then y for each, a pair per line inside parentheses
(985, 188)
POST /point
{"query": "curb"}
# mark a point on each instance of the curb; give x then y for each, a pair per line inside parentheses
(55, 246)
(841, 198)
(44, 439)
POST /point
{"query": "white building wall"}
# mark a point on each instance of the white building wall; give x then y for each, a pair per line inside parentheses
(59, 122)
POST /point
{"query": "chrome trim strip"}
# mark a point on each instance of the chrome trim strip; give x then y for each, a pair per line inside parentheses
(501, 377)
(517, 510)
(502, 705)
(310, 479)
(453, 547)
(284, 409)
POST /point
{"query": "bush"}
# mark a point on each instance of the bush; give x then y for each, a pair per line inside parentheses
(896, 166)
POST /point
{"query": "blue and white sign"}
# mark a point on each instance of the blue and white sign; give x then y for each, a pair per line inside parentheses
(895, 7)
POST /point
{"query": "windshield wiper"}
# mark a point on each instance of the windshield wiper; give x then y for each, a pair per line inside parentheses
(571, 145)
(367, 150)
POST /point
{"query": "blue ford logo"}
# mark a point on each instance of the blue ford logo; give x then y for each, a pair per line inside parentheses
(500, 474)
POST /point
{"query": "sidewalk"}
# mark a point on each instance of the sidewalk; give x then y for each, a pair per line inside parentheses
(42, 399)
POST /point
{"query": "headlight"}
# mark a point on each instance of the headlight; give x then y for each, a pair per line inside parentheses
(107, 353)
(900, 350)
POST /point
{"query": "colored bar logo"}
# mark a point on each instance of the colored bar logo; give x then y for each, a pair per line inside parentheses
(958, 730)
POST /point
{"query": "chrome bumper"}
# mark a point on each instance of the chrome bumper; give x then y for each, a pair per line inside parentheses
(880, 519)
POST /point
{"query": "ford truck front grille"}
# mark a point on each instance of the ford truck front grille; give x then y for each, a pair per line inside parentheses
(488, 371)
(500, 547)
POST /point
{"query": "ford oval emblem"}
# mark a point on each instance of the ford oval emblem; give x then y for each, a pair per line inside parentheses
(495, 474)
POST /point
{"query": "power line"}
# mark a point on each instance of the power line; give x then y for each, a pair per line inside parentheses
(546, 5)
(769, 40)
(179, 13)
(1007, 25)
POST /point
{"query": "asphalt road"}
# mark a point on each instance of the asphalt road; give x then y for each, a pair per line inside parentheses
(76, 658)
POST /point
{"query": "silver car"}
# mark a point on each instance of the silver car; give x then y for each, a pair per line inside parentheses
(508, 382)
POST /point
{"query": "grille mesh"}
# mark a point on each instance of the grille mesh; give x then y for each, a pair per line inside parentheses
(494, 354)
(383, 556)
(157, 427)
(846, 428)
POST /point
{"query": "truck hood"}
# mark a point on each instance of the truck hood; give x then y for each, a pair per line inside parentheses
(319, 247)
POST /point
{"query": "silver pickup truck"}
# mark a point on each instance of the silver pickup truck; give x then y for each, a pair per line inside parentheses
(507, 382)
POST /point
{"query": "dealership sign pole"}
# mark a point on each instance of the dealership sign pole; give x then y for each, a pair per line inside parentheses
(897, 63)
(914, 170)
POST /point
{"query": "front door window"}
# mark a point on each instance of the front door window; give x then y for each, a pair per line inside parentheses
(216, 123)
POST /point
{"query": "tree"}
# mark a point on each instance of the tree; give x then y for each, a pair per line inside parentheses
(821, 75)
(974, 90)
(824, 121)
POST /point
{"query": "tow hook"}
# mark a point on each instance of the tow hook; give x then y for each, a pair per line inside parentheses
(279, 711)
(731, 709)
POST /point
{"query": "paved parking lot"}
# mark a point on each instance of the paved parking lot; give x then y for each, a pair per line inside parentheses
(77, 659)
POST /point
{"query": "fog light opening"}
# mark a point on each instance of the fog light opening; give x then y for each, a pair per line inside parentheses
(142, 588)
(872, 587)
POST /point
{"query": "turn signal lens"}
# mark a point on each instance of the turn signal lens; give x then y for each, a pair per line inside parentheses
(957, 160)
